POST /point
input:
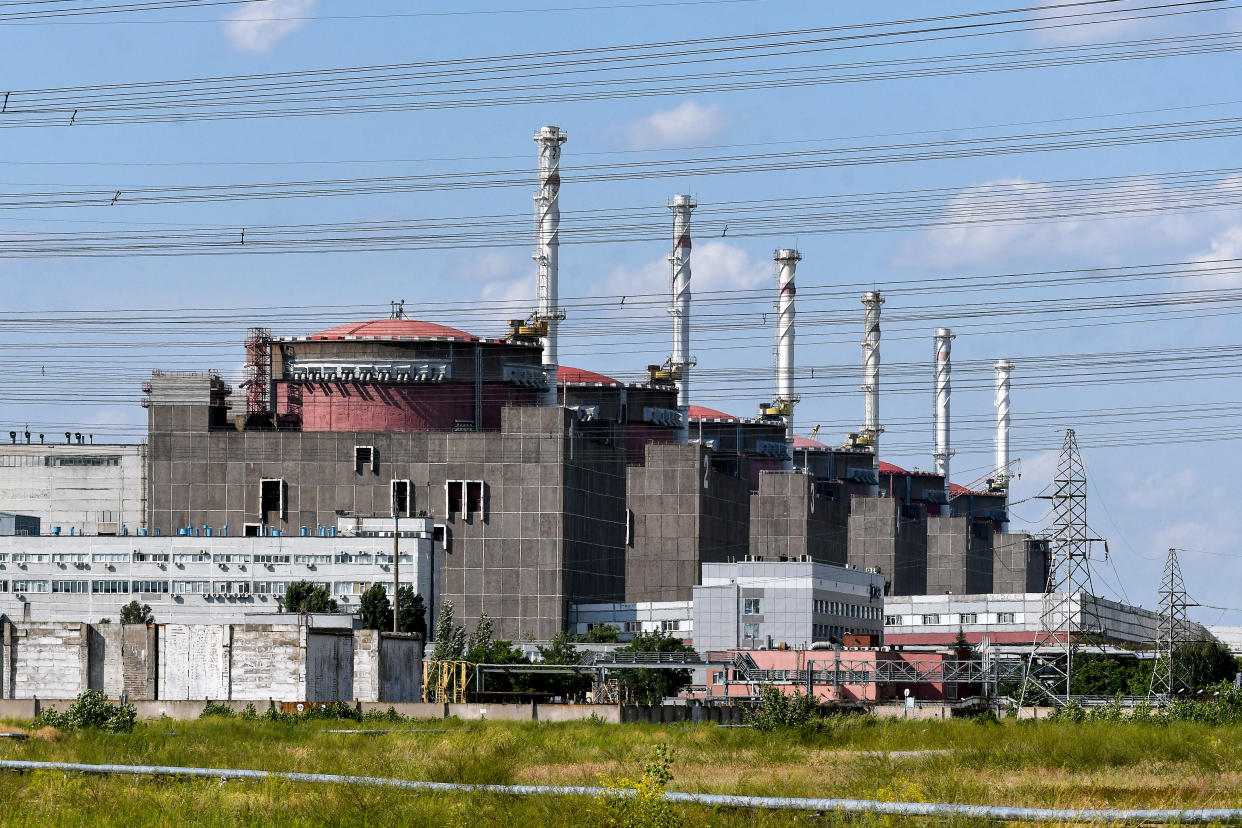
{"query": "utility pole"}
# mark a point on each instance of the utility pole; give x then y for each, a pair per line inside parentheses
(396, 559)
(1069, 610)
(1172, 631)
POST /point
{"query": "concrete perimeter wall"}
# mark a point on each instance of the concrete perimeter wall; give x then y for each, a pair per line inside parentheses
(222, 662)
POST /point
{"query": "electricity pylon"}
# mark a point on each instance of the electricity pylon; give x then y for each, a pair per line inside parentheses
(1172, 632)
(1069, 611)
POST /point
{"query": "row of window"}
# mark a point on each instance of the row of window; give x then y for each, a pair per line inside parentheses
(19, 460)
(118, 587)
(460, 496)
(199, 557)
(844, 609)
(932, 619)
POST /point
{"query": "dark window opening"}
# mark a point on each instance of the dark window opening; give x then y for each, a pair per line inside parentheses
(474, 497)
(252, 530)
(454, 496)
(401, 497)
(364, 459)
(272, 498)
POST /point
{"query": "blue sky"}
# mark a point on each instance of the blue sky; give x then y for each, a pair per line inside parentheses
(1154, 483)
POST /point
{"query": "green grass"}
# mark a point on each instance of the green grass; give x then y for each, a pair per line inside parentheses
(1037, 764)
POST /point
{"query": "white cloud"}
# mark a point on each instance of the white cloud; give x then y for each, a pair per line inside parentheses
(685, 124)
(257, 27)
(512, 297)
(714, 265)
(1216, 271)
(1124, 22)
(969, 234)
(491, 265)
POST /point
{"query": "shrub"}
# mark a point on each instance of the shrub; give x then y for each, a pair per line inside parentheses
(645, 807)
(214, 709)
(136, 613)
(777, 710)
(91, 709)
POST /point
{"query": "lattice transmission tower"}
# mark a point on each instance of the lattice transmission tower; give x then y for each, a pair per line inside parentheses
(1172, 632)
(1070, 617)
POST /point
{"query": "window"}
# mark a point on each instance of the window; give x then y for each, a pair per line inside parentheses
(29, 557)
(68, 586)
(931, 618)
(670, 626)
(150, 557)
(968, 618)
(271, 559)
(717, 676)
(234, 559)
(439, 534)
(30, 586)
(350, 587)
(400, 499)
(1006, 618)
(68, 557)
(83, 460)
(311, 560)
(270, 587)
(386, 558)
(633, 627)
(750, 630)
(892, 620)
(272, 498)
(4, 586)
(464, 495)
(252, 530)
(149, 586)
(110, 557)
(189, 587)
(750, 606)
(109, 587)
(191, 557)
(364, 459)
(231, 588)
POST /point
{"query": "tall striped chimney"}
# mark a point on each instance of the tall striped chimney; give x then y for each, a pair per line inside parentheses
(547, 249)
(681, 361)
(944, 345)
(872, 300)
(787, 266)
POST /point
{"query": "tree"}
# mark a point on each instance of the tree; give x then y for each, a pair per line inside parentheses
(411, 611)
(560, 650)
(303, 596)
(136, 613)
(481, 649)
(1205, 663)
(450, 642)
(653, 686)
(374, 609)
(601, 634)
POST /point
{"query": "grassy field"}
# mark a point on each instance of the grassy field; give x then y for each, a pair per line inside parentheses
(1012, 763)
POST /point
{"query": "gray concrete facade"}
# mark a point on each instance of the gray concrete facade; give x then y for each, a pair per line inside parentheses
(791, 519)
(890, 537)
(75, 488)
(683, 513)
(959, 556)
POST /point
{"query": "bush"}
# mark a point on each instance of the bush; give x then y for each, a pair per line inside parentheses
(303, 596)
(91, 709)
(136, 613)
(214, 709)
(646, 807)
(778, 711)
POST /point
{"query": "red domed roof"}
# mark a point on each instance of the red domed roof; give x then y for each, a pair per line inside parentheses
(801, 442)
(889, 468)
(394, 329)
(699, 412)
(571, 375)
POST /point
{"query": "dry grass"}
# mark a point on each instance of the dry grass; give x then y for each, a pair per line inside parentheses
(1095, 765)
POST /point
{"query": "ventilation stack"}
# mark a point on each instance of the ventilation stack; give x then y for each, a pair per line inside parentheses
(1003, 368)
(872, 300)
(547, 247)
(944, 345)
(681, 361)
(787, 263)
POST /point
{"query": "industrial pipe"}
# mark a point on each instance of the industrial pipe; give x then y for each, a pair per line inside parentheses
(787, 261)
(925, 809)
(872, 300)
(681, 361)
(547, 250)
(944, 345)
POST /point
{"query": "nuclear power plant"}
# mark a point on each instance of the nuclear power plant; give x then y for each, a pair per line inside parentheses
(532, 491)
